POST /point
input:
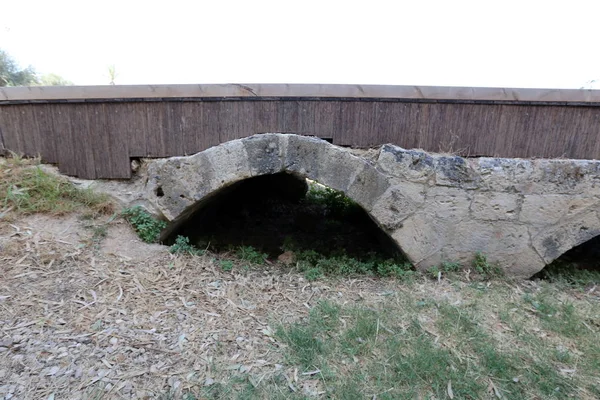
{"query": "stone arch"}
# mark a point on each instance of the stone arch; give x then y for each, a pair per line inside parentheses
(521, 214)
(179, 186)
(567, 234)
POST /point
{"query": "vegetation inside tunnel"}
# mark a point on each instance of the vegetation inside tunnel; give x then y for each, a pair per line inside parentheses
(579, 266)
(283, 214)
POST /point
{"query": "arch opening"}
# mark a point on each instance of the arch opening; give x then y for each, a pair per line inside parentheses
(281, 212)
(579, 265)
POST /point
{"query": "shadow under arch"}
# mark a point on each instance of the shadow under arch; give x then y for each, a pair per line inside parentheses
(571, 237)
(182, 186)
(278, 212)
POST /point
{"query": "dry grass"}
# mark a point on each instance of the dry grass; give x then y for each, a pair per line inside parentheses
(81, 319)
(125, 319)
(26, 189)
(89, 311)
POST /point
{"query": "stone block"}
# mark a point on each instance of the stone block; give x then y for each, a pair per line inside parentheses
(493, 206)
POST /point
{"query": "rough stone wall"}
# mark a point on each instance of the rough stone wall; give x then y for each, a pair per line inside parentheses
(521, 214)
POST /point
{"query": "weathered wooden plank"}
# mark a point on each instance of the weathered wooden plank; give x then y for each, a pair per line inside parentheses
(118, 131)
(20, 130)
(585, 122)
(156, 115)
(173, 129)
(357, 124)
(64, 138)
(288, 119)
(109, 148)
(83, 142)
(211, 123)
(267, 116)
(3, 117)
(46, 135)
(131, 120)
(28, 131)
(237, 120)
(397, 123)
(10, 131)
(318, 118)
(195, 138)
(98, 135)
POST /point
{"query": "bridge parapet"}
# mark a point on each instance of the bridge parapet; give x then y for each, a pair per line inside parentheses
(94, 131)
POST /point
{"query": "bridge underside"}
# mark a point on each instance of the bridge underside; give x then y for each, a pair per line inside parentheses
(521, 214)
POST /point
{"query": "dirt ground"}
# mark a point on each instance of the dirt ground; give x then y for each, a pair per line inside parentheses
(88, 311)
(118, 317)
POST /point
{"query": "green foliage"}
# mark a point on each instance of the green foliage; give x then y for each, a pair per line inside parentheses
(335, 202)
(54, 80)
(312, 274)
(434, 272)
(182, 246)
(445, 267)
(226, 265)
(12, 75)
(451, 266)
(147, 228)
(484, 268)
(315, 265)
(250, 254)
(569, 275)
(27, 189)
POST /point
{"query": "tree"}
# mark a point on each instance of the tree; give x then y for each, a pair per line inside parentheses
(112, 74)
(54, 80)
(12, 75)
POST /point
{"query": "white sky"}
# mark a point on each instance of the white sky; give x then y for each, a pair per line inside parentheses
(523, 43)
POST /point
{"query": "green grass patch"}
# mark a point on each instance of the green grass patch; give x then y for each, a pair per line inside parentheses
(567, 274)
(27, 189)
(405, 346)
(556, 316)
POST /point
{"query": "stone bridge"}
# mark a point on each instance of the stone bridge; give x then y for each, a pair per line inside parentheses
(522, 214)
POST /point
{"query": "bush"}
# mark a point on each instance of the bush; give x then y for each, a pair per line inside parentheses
(147, 228)
(252, 255)
(182, 246)
(336, 203)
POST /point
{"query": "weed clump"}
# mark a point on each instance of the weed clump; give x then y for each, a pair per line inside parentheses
(226, 265)
(250, 254)
(484, 268)
(568, 274)
(147, 227)
(183, 246)
(315, 265)
(27, 189)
